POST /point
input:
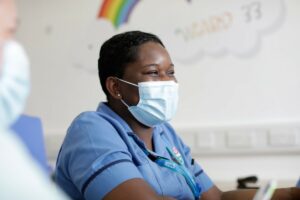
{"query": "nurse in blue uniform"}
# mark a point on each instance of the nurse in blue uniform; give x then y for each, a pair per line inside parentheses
(126, 149)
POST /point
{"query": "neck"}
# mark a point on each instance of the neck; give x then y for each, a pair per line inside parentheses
(142, 131)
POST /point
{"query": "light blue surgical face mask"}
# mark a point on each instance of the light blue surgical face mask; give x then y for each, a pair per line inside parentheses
(158, 102)
(14, 82)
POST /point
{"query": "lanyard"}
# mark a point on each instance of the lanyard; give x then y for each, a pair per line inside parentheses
(177, 167)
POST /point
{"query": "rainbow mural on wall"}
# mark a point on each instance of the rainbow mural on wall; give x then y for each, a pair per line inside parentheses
(117, 11)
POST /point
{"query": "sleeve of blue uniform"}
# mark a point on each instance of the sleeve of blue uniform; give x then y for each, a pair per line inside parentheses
(202, 178)
(96, 157)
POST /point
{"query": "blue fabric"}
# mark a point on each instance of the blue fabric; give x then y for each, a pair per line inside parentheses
(298, 183)
(29, 130)
(100, 151)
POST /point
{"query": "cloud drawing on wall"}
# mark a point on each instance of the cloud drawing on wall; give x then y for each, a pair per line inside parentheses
(236, 29)
(204, 28)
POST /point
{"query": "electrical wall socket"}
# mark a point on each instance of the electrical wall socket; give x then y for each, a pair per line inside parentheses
(283, 137)
(205, 140)
(188, 136)
(240, 139)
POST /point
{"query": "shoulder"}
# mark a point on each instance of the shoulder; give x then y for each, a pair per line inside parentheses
(90, 127)
(92, 133)
(90, 120)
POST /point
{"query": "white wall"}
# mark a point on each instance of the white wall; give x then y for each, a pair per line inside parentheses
(239, 105)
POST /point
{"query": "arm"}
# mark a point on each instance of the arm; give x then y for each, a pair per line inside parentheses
(280, 194)
(287, 194)
(216, 194)
(134, 189)
(247, 194)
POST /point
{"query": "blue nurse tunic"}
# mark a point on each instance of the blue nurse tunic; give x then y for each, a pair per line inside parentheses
(100, 151)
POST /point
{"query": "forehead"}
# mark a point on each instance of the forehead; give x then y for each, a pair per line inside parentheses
(8, 13)
(152, 52)
(7, 3)
(149, 55)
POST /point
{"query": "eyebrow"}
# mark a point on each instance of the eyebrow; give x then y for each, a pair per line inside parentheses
(156, 65)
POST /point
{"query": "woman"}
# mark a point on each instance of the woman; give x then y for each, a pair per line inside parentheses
(127, 149)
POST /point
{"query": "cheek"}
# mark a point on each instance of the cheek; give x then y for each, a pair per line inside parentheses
(133, 96)
(136, 99)
(130, 95)
(8, 26)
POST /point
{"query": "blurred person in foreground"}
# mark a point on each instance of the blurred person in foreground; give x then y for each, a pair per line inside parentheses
(20, 176)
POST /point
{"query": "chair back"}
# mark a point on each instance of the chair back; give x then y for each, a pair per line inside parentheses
(30, 131)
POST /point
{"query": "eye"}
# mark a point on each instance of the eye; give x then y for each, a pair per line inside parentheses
(171, 72)
(152, 73)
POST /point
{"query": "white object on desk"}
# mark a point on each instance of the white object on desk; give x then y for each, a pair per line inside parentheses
(266, 191)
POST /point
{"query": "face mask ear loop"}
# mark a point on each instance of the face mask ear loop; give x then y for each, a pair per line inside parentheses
(124, 103)
(127, 82)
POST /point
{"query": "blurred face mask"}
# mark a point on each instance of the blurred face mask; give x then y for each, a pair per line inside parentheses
(158, 102)
(14, 82)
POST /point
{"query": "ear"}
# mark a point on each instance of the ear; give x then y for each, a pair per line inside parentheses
(113, 87)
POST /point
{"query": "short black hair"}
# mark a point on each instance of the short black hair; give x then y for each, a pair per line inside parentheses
(120, 50)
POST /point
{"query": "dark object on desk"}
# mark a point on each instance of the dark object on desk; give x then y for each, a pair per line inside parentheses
(242, 182)
(29, 130)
